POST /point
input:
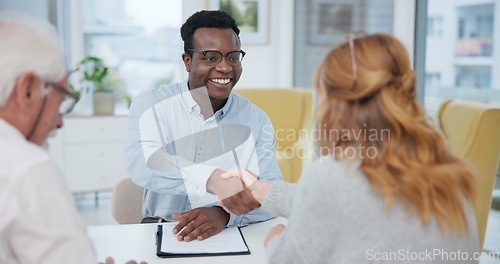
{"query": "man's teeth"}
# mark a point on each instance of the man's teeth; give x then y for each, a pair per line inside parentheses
(221, 81)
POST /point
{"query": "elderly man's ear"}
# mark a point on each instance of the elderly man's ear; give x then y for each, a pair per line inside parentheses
(27, 91)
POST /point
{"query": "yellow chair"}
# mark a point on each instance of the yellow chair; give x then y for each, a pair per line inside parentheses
(290, 111)
(473, 132)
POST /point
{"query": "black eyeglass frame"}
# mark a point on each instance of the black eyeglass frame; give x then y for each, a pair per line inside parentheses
(204, 53)
(67, 93)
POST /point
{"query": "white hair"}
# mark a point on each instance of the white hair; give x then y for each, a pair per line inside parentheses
(27, 45)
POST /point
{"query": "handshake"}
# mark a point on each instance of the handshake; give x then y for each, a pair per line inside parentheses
(238, 191)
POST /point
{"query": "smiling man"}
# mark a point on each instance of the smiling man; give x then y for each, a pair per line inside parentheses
(183, 136)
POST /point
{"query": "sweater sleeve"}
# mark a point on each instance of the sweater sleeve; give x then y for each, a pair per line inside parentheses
(279, 198)
(312, 217)
(282, 249)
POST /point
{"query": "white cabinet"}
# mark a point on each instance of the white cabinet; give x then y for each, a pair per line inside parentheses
(90, 152)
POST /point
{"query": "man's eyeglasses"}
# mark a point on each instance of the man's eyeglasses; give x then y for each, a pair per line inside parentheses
(213, 57)
(69, 100)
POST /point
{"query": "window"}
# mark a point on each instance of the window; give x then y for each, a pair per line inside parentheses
(461, 28)
(320, 25)
(467, 70)
(475, 30)
(476, 77)
(36, 8)
(138, 39)
(434, 27)
(482, 79)
(484, 25)
(432, 79)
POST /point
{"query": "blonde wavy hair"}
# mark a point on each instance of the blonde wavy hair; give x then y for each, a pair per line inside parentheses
(377, 93)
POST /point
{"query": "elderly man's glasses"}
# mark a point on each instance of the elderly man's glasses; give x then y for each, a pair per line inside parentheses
(69, 100)
(213, 57)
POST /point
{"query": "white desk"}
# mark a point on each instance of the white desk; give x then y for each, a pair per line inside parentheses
(138, 242)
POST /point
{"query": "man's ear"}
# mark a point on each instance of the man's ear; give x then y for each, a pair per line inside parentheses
(26, 90)
(187, 61)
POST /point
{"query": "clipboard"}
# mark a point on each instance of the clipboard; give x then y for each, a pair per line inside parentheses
(160, 253)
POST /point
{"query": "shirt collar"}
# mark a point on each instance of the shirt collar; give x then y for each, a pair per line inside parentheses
(190, 103)
(188, 99)
(223, 111)
(6, 129)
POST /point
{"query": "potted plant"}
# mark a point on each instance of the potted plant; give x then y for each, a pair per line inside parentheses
(94, 74)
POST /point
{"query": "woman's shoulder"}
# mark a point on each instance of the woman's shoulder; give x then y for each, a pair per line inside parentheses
(335, 174)
(334, 167)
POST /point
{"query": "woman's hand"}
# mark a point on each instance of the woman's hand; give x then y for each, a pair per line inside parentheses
(278, 229)
(247, 177)
(258, 188)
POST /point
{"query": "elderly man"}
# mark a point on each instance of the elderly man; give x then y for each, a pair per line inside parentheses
(39, 222)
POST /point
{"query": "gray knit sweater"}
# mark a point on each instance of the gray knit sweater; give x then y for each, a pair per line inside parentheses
(336, 217)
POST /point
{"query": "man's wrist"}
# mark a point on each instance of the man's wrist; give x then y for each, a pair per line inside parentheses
(214, 181)
(259, 190)
(226, 213)
(223, 188)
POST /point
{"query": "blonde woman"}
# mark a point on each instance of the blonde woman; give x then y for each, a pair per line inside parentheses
(386, 188)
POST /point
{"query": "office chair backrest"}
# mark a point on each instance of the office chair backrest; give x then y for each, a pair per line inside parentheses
(290, 111)
(126, 202)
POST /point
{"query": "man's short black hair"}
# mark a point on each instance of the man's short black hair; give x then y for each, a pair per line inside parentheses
(205, 19)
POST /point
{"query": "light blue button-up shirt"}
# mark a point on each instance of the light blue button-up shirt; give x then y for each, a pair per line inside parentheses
(171, 149)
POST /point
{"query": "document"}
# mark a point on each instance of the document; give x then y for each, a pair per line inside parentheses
(229, 241)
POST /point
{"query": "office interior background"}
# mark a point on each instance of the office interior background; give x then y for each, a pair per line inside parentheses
(453, 45)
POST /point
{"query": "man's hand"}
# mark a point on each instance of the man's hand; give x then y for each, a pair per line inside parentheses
(246, 176)
(278, 229)
(248, 199)
(240, 203)
(223, 188)
(232, 192)
(200, 223)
